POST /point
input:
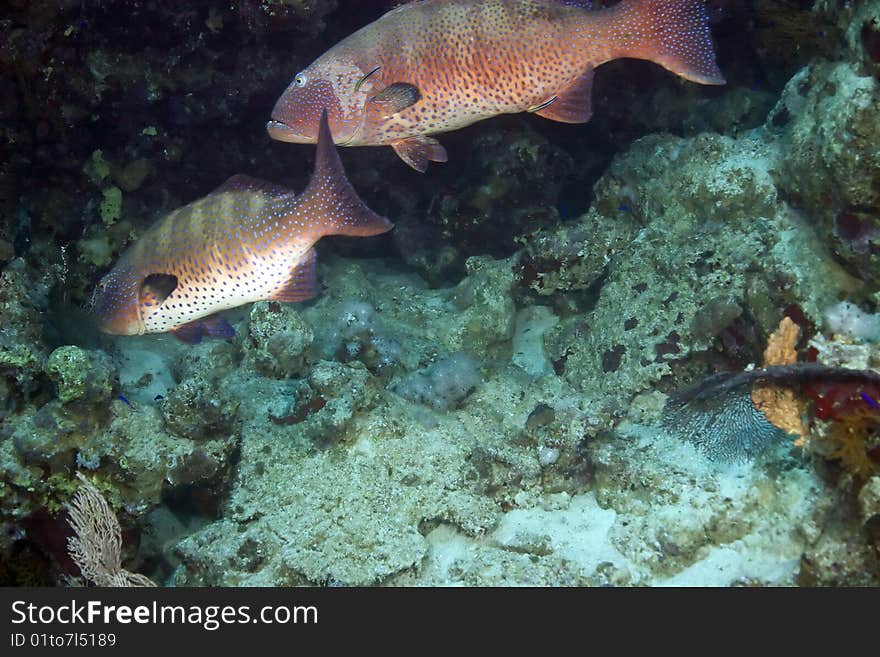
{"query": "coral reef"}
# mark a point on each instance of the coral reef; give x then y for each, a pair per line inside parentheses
(23, 297)
(846, 428)
(718, 248)
(80, 375)
(742, 188)
(278, 340)
(831, 165)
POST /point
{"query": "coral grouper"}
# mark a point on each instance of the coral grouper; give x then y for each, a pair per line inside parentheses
(245, 242)
(432, 66)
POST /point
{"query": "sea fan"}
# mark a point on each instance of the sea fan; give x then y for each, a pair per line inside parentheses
(719, 416)
(726, 427)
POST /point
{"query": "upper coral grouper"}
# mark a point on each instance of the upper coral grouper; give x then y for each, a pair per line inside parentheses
(247, 241)
(432, 66)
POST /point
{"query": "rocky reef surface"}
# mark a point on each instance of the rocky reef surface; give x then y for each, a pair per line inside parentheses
(476, 398)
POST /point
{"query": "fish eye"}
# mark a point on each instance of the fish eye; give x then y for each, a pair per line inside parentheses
(300, 80)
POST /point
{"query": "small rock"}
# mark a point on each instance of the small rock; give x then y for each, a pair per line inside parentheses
(541, 416)
(547, 456)
(80, 374)
(869, 499)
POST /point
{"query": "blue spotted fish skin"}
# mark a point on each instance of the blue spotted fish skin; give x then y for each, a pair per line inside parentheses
(432, 66)
(247, 241)
(218, 248)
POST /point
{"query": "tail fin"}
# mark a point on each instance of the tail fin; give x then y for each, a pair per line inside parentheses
(672, 33)
(331, 199)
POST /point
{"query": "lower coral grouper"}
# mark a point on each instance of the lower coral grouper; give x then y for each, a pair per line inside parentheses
(247, 241)
(431, 66)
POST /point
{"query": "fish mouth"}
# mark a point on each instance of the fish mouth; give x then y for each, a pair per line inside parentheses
(282, 132)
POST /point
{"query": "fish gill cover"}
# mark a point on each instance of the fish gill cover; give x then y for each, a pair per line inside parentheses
(487, 380)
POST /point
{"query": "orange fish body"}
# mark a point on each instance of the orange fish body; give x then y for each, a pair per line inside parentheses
(247, 241)
(432, 66)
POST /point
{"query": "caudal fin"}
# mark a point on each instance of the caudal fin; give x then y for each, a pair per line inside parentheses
(330, 199)
(672, 33)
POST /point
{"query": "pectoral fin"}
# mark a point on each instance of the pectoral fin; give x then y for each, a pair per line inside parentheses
(571, 105)
(418, 151)
(303, 282)
(212, 326)
(393, 99)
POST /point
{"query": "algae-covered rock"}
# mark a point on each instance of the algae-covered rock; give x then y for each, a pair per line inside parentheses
(717, 250)
(150, 460)
(23, 299)
(575, 255)
(832, 164)
(685, 520)
(200, 410)
(372, 489)
(444, 385)
(693, 191)
(349, 458)
(81, 375)
(101, 244)
(405, 324)
(54, 435)
(278, 338)
(869, 500)
(863, 34)
(839, 557)
(96, 167)
(344, 390)
(110, 207)
(96, 250)
(486, 313)
(127, 445)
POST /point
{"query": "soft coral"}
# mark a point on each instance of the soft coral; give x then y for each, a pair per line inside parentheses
(853, 433)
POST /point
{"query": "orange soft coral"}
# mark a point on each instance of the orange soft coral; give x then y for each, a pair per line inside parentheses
(853, 440)
(781, 405)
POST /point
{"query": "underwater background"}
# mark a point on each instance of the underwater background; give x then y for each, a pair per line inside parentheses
(490, 394)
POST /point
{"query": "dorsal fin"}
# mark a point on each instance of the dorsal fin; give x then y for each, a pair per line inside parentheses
(242, 183)
(583, 4)
(332, 199)
(586, 4)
